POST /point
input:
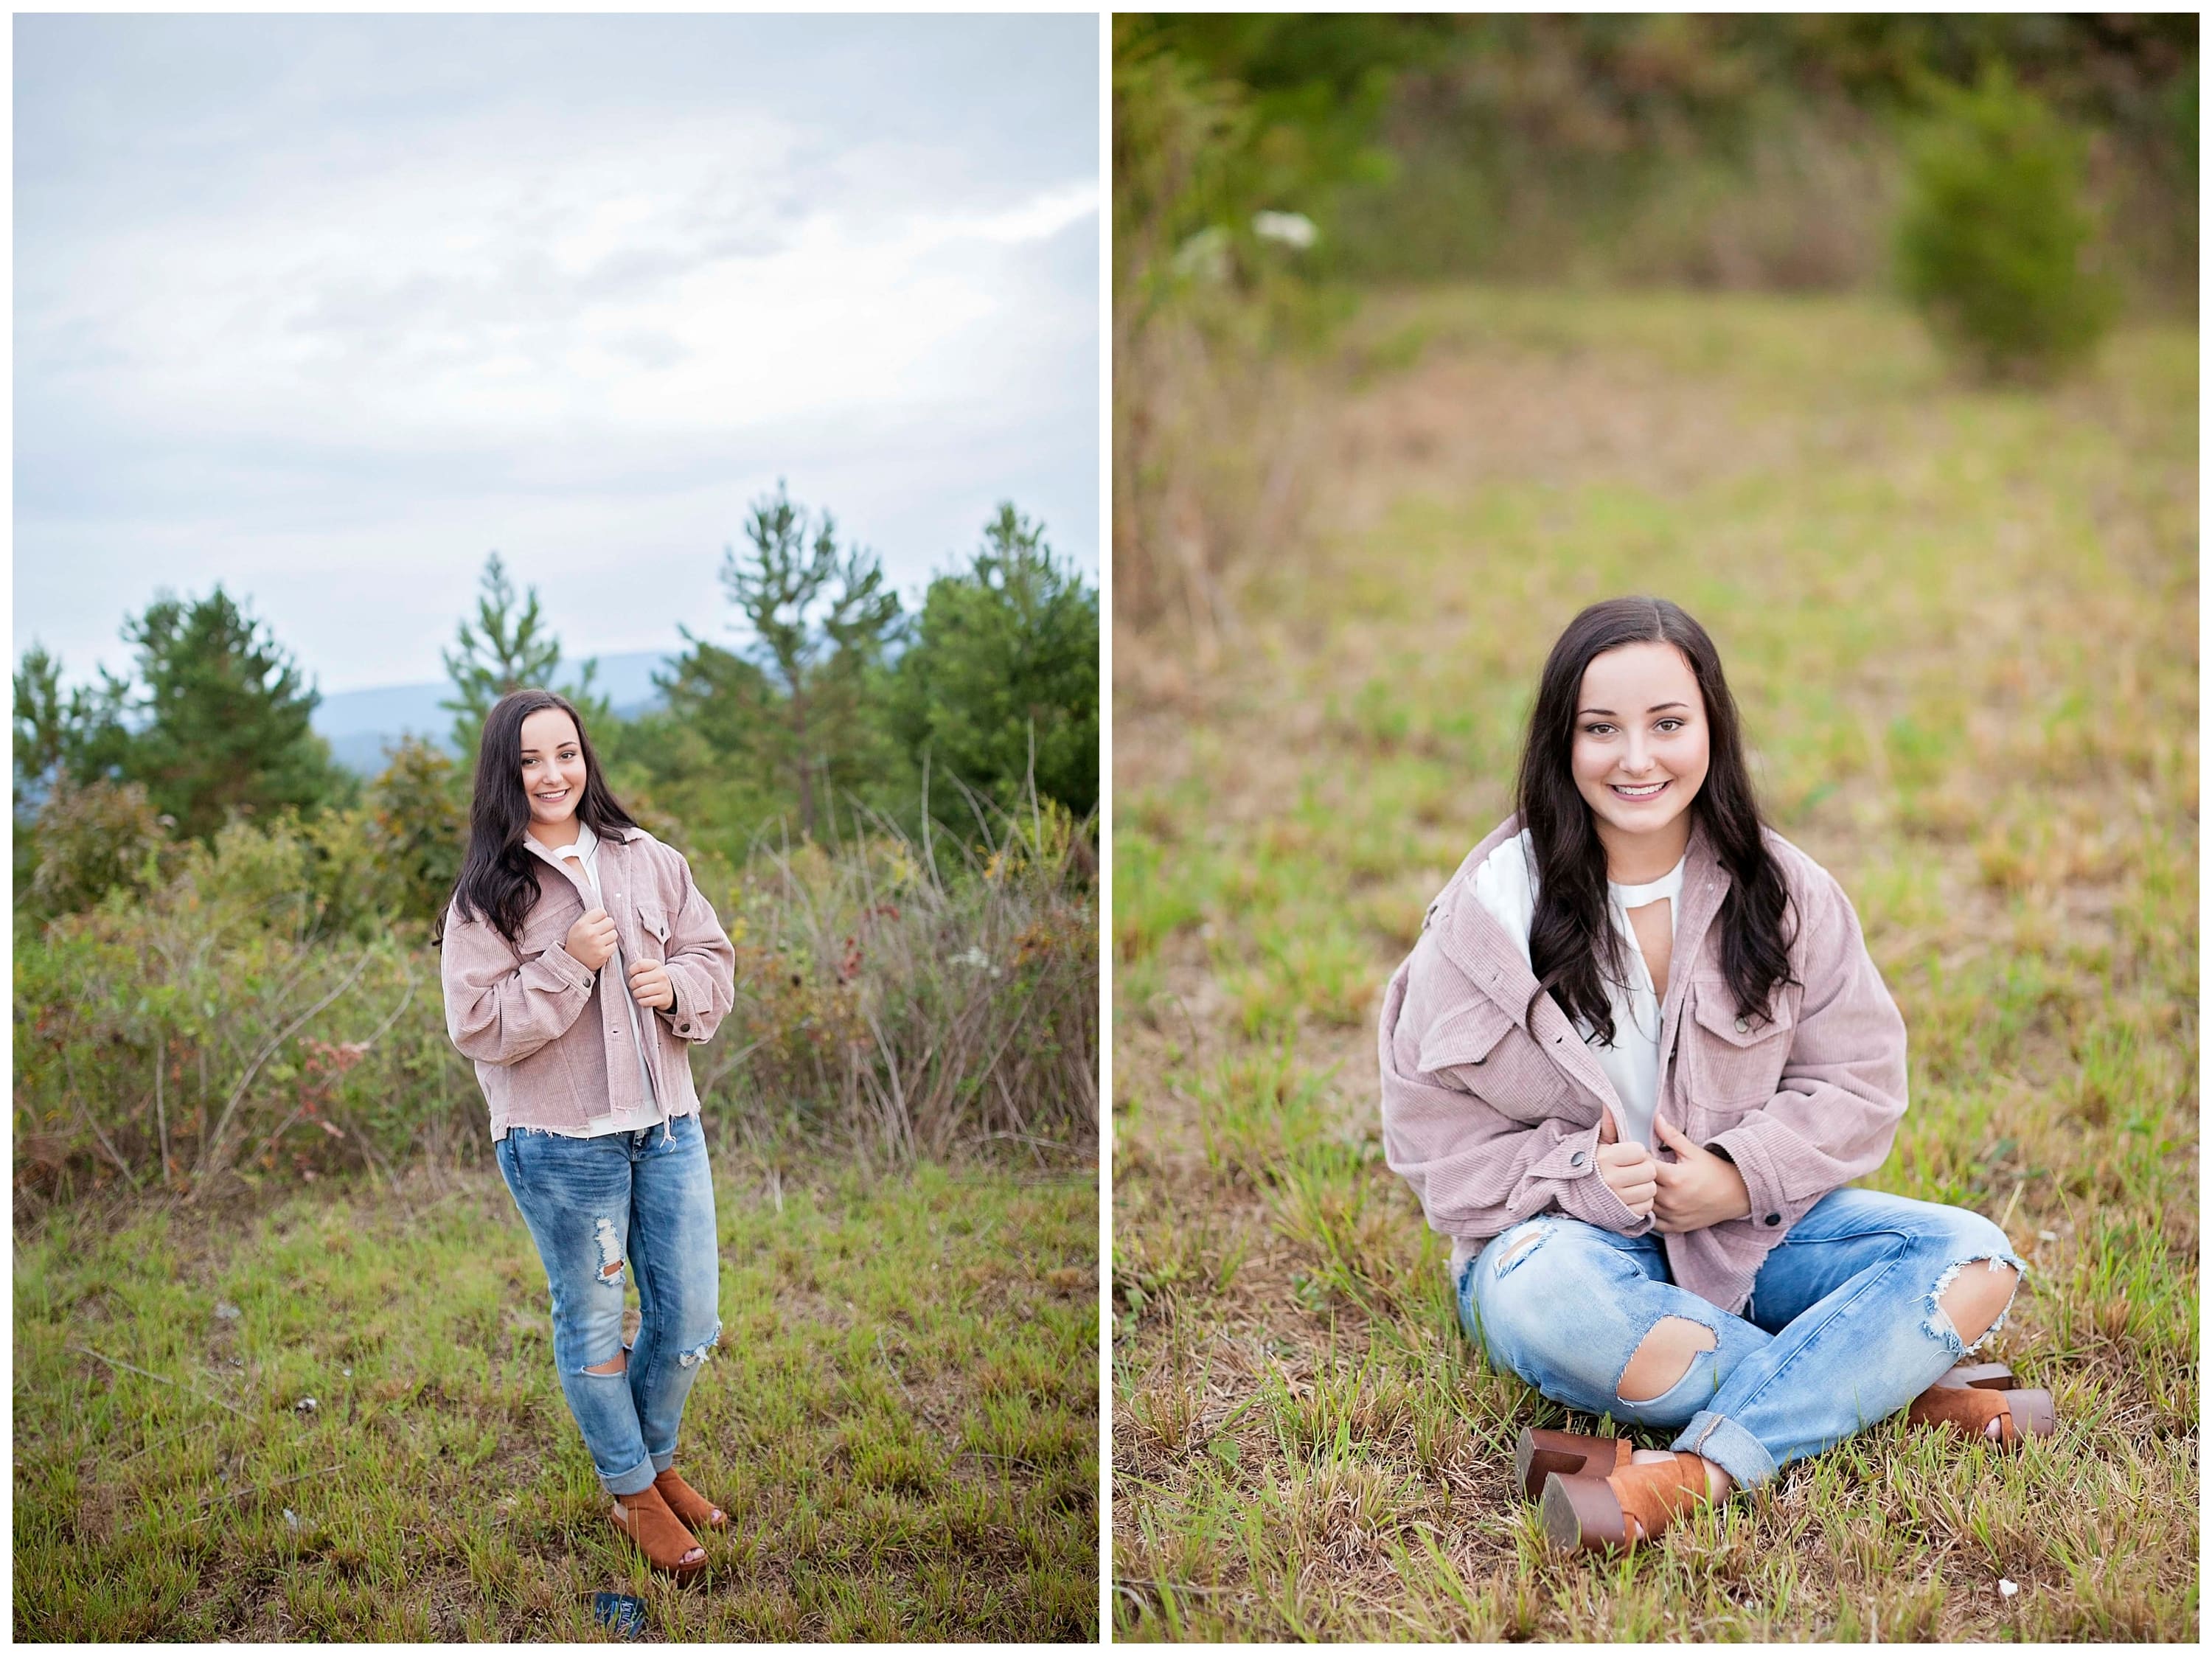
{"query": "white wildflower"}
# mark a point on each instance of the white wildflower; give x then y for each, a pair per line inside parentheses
(1204, 255)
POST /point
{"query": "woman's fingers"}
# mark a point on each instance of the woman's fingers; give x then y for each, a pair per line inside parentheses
(649, 984)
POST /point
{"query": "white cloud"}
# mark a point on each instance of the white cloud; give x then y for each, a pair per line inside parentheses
(531, 321)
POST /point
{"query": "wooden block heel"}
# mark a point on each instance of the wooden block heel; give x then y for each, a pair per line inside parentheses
(1981, 1376)
(1541, 1451)
(1583, 1514)
(2032, 1412)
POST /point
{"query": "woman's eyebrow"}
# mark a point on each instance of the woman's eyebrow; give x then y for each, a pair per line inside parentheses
(1658, 708)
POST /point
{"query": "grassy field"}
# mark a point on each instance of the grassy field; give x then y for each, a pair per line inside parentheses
(1962, 626)
(902, 1421)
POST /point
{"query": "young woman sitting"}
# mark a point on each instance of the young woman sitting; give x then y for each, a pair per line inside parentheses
(1629, 1068)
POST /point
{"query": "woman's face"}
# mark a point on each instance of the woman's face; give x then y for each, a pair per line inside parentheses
(1641, 744)
(552, 766)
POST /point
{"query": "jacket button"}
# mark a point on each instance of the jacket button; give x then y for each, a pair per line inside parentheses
(1773, 1218)
(1741, 1025)
(1580, 1158)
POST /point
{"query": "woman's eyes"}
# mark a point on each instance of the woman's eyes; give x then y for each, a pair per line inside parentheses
(1668, 726)
(569, 753)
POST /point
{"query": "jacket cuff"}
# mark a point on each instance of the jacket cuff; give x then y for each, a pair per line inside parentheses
(1583, 1193)
(568, 965)
(683, 1017)
(1747, 1146)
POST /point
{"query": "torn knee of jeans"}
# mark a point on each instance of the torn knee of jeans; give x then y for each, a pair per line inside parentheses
(617, 1364)
(611, 1252)
(1526, 1241)
(1939, 1324)
(1684, 1328)
(698, 1353)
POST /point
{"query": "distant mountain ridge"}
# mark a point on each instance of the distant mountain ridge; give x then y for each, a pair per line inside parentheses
(360, 725)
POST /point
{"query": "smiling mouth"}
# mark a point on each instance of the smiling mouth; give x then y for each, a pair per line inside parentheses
(554, 798)
(1650, 791)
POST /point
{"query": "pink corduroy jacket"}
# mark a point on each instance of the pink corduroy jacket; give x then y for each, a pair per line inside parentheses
(552, 1046)
(1492, 1120)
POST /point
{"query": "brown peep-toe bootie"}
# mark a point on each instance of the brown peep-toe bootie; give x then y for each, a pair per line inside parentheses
(687, 1504)
(1628, 1506)
(1542, 1451)
(1973, 1406)
(659, 1534)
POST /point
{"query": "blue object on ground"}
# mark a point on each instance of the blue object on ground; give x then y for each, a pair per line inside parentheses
(624, 1614)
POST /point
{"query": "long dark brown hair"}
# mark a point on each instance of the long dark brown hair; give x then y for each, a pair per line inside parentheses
(1570, 937)
(499, 877)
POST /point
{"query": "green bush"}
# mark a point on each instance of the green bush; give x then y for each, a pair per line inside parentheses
(1994, 239)
(419, 823)
(173, 1037)
(93, 838)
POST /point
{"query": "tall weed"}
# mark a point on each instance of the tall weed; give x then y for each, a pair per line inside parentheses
(917, 1009)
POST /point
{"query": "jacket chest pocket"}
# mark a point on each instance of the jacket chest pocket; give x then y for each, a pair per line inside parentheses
(1735, 1058)
(542, 930)
(653, 928)
(1483, 1051)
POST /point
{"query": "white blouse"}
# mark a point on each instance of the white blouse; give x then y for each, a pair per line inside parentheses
(1506, 884)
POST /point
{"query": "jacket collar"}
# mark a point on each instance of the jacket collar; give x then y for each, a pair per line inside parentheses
(1471, 938)
(569, 870)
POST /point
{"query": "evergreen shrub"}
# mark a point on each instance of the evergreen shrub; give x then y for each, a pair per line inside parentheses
(1996, 237)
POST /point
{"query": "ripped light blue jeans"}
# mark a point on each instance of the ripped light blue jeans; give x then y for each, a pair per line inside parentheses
(644, 1200)
(1842, 1329)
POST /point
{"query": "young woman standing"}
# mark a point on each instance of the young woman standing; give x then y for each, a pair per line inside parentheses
(1629, 1068)
(579, 963)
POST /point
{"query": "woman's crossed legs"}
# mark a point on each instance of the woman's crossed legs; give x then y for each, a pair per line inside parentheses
(1861, 1308)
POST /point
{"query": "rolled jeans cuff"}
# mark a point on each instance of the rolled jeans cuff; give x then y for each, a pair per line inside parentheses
(636, 1481)
(662, 1463)
(1728, 1445)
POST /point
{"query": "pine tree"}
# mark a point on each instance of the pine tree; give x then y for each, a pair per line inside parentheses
(1001, 681)
(821, 621)
(79, 733)
(508, 649)
(221, 722)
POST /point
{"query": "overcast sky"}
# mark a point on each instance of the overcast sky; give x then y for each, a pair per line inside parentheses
(327, 308)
